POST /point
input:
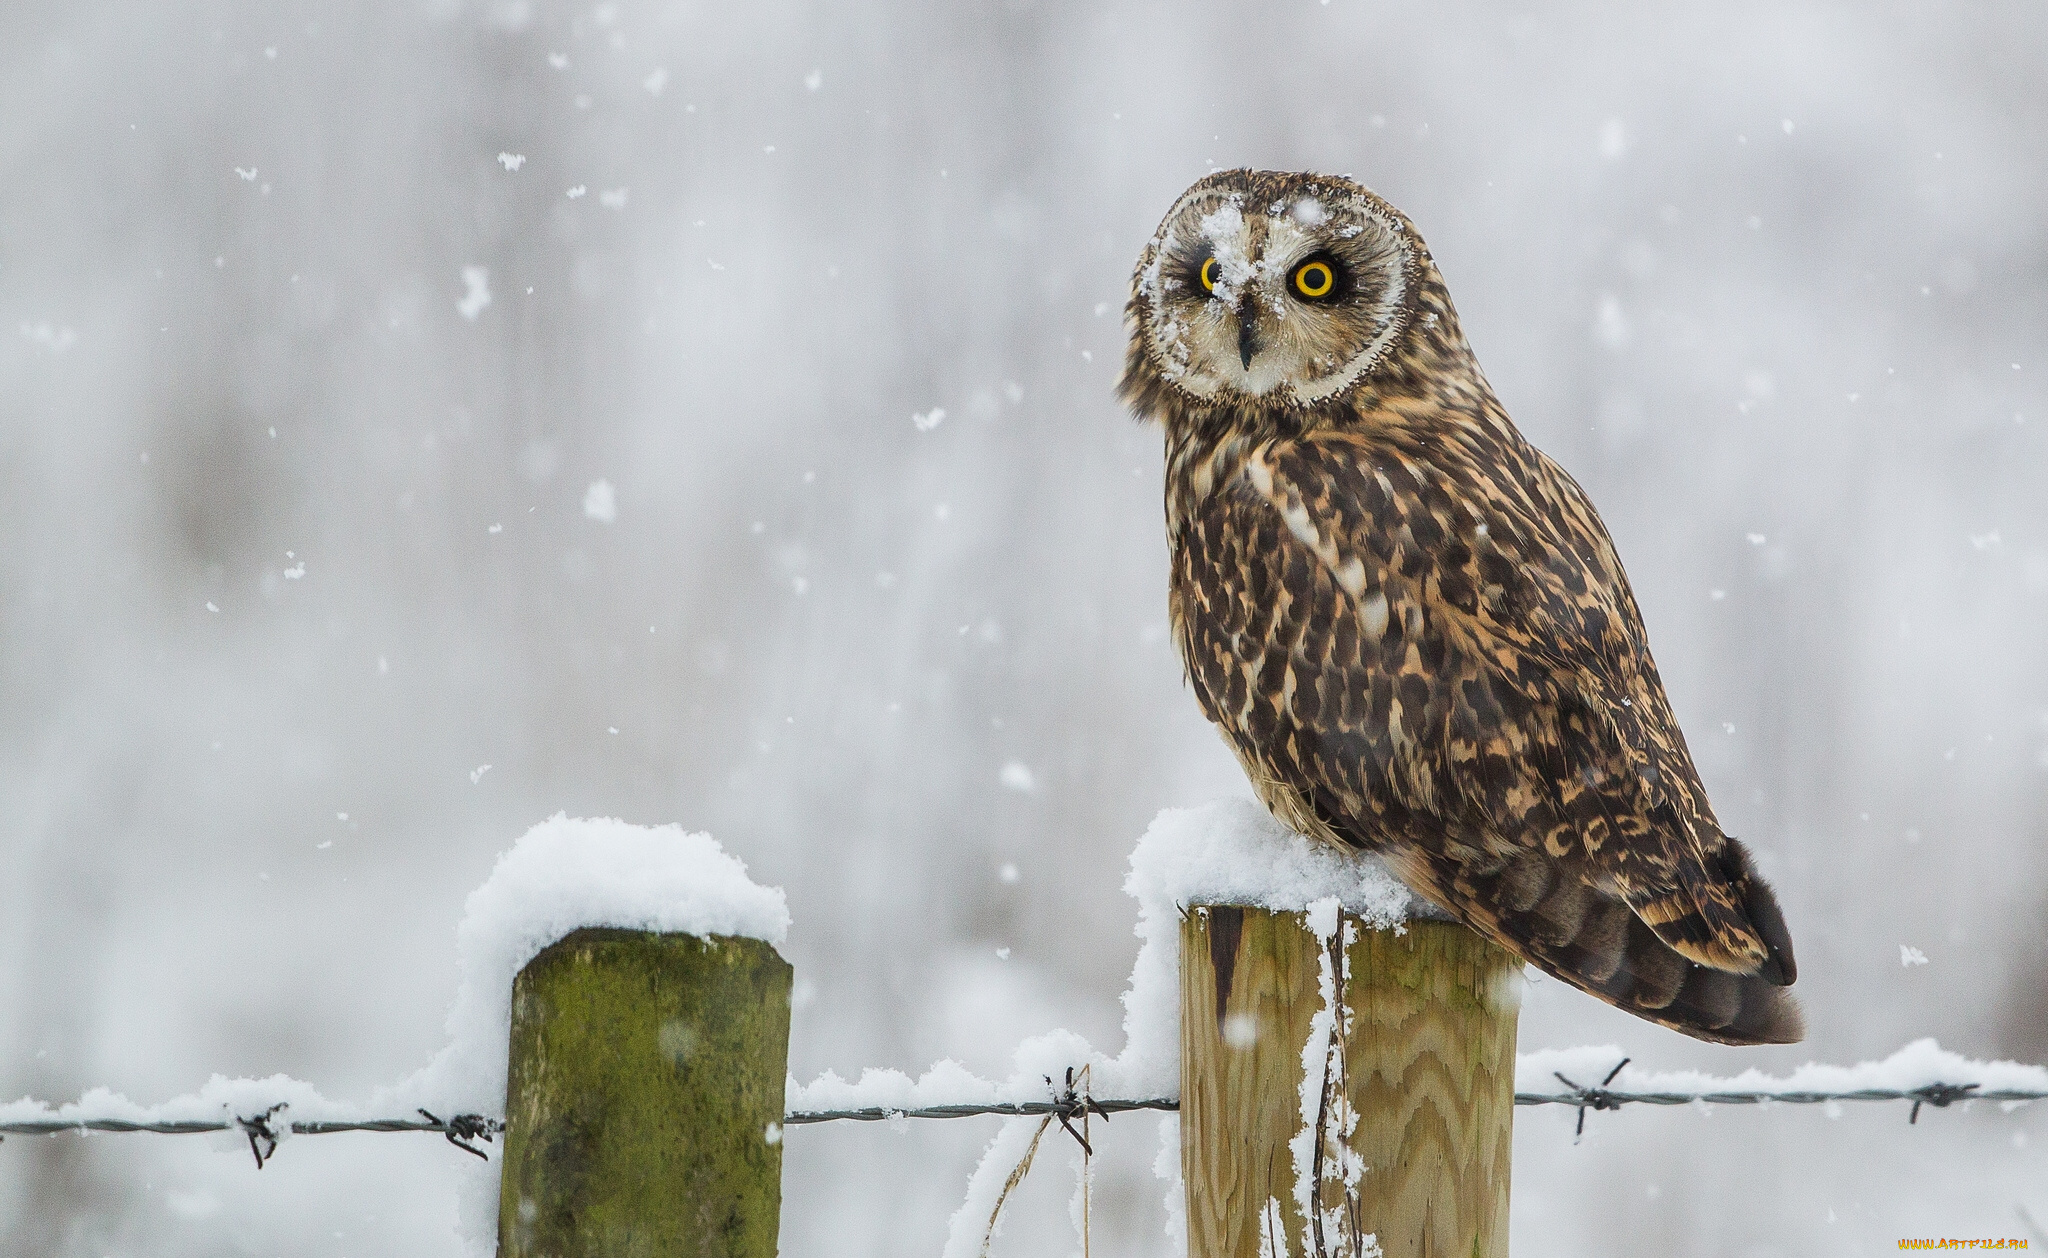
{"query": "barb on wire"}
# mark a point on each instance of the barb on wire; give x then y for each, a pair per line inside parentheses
(464, 1128)
(262, 1135)
(1940, 1096)
(1592, 1098)
(1070, 1105)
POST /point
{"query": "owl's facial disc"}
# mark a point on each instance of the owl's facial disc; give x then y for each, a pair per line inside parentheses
(1293, 298)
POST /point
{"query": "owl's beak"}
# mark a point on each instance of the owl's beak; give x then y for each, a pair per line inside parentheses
(1247, 335)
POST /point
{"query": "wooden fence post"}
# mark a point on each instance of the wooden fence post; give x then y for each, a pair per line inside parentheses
(1428, 1068)
(643, 1102)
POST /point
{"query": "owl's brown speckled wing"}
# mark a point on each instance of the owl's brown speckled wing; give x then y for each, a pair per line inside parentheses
(1431, 651)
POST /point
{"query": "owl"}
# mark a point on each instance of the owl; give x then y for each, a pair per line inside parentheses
(1410, 624)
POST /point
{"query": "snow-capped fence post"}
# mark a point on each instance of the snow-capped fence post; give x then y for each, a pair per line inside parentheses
(644, 1098)
(1422, 1062)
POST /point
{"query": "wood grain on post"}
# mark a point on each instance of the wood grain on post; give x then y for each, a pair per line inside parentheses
(1428, 1067)
(643, 1105)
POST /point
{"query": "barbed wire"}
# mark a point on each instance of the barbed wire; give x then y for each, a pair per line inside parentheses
(267, 1129)
(1067, 1108)
(1939, 1095)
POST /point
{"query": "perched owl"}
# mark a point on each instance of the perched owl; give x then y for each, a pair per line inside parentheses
(1410, 624)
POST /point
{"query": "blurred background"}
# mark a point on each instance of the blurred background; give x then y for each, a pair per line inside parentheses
(417, 419)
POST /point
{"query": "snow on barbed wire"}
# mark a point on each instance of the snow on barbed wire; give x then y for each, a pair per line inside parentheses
(221, 1100)
(1921, 1064)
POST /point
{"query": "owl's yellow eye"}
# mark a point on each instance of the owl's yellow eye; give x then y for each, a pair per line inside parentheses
(1208, 274)
(1314, 278)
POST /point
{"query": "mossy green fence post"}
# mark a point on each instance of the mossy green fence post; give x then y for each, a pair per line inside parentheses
(643, 1105)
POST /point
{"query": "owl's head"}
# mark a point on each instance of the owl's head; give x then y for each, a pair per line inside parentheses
(1282, 288)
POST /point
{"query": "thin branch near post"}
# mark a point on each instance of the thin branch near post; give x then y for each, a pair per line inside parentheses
(1067, 1105)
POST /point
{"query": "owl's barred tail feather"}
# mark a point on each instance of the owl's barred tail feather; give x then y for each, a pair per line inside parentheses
(1723, 916)
(1595, 941)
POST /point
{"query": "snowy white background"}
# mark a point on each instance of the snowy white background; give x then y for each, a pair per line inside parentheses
(1769, 281)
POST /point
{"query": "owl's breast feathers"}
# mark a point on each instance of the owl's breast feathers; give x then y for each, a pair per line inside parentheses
(1414, 631)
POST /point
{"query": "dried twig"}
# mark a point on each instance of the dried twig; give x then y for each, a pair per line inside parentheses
(1023, 1168)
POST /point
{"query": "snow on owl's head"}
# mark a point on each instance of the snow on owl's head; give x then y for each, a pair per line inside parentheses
(1286, 288)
